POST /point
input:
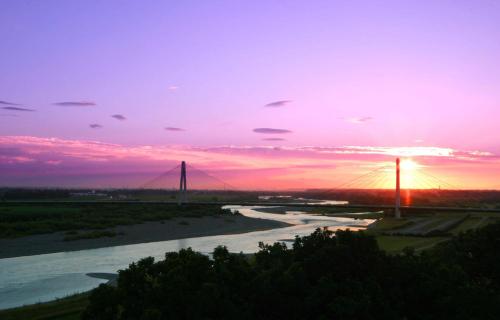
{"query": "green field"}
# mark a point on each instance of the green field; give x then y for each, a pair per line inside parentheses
(394, 244)
(388, 223)
(467, 224)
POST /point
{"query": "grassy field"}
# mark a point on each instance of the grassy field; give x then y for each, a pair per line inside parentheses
(69, 308)
(467, 224)
(22, 220)
(387, 224)
(488, 221)
(394, 244)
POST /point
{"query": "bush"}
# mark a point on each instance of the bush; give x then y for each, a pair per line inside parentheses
(89, 235)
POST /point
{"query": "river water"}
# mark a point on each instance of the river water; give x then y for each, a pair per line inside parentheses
(39, 278)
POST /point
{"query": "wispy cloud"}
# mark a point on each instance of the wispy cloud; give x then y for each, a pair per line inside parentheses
(358, 120)
(271, 131)
(273, 139)
(53, 162)
(276, 104)
(75, 104)
(119, 117)
(9, 103)
(174, 129)
(18, 109)
(173, 88)
(8, 115)
(95, 126)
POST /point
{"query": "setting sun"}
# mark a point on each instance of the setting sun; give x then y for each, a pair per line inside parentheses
(409, 170)
(409, 165)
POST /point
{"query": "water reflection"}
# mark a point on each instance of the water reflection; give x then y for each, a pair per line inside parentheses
(31, 279)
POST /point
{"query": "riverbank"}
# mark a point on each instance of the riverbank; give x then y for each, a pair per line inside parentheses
(69, 308)
(153, 231)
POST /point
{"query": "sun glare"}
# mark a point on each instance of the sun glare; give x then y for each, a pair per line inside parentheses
(409, 165)
(409, 169)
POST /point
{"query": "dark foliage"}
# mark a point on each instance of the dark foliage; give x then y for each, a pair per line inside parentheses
(422, 197)
(345, 276)
(33, 194)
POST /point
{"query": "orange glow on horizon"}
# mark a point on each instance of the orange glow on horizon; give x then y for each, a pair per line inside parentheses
(35, 161)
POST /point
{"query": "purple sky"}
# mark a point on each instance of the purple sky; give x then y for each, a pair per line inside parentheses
(334, 73)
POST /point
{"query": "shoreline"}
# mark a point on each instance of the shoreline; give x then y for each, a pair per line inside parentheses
(151, 231)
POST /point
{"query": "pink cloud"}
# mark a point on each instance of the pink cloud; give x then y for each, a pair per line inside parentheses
(26, 160)
(15, 159)
(358, 120)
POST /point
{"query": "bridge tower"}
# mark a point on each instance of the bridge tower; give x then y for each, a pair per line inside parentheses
(183, 184)
(397, 211)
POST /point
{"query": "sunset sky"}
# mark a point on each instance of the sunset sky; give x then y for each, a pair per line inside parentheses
(262, 94)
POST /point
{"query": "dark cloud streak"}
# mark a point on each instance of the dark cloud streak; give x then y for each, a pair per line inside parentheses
(119, 117)
(277, 104)
(9, 103)
(95, 126)
(18, 109)
(175, 129)
(271, 131)
(75, 104)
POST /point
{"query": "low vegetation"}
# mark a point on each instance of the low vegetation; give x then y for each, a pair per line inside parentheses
(422, 232)
(90, 235)
(422, 197)
(388, 224)
(69, 308)
(392, 244)
(21, 220)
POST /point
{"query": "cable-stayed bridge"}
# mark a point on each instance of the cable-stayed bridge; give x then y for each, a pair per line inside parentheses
(184, 183)
(186, 177)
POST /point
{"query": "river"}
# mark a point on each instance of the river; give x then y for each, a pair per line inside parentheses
(39, 278)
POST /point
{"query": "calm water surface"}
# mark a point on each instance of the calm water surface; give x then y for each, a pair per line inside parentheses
(32, 279)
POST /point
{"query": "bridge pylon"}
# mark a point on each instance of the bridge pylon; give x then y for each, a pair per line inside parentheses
(182, 198)
(397, 207)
